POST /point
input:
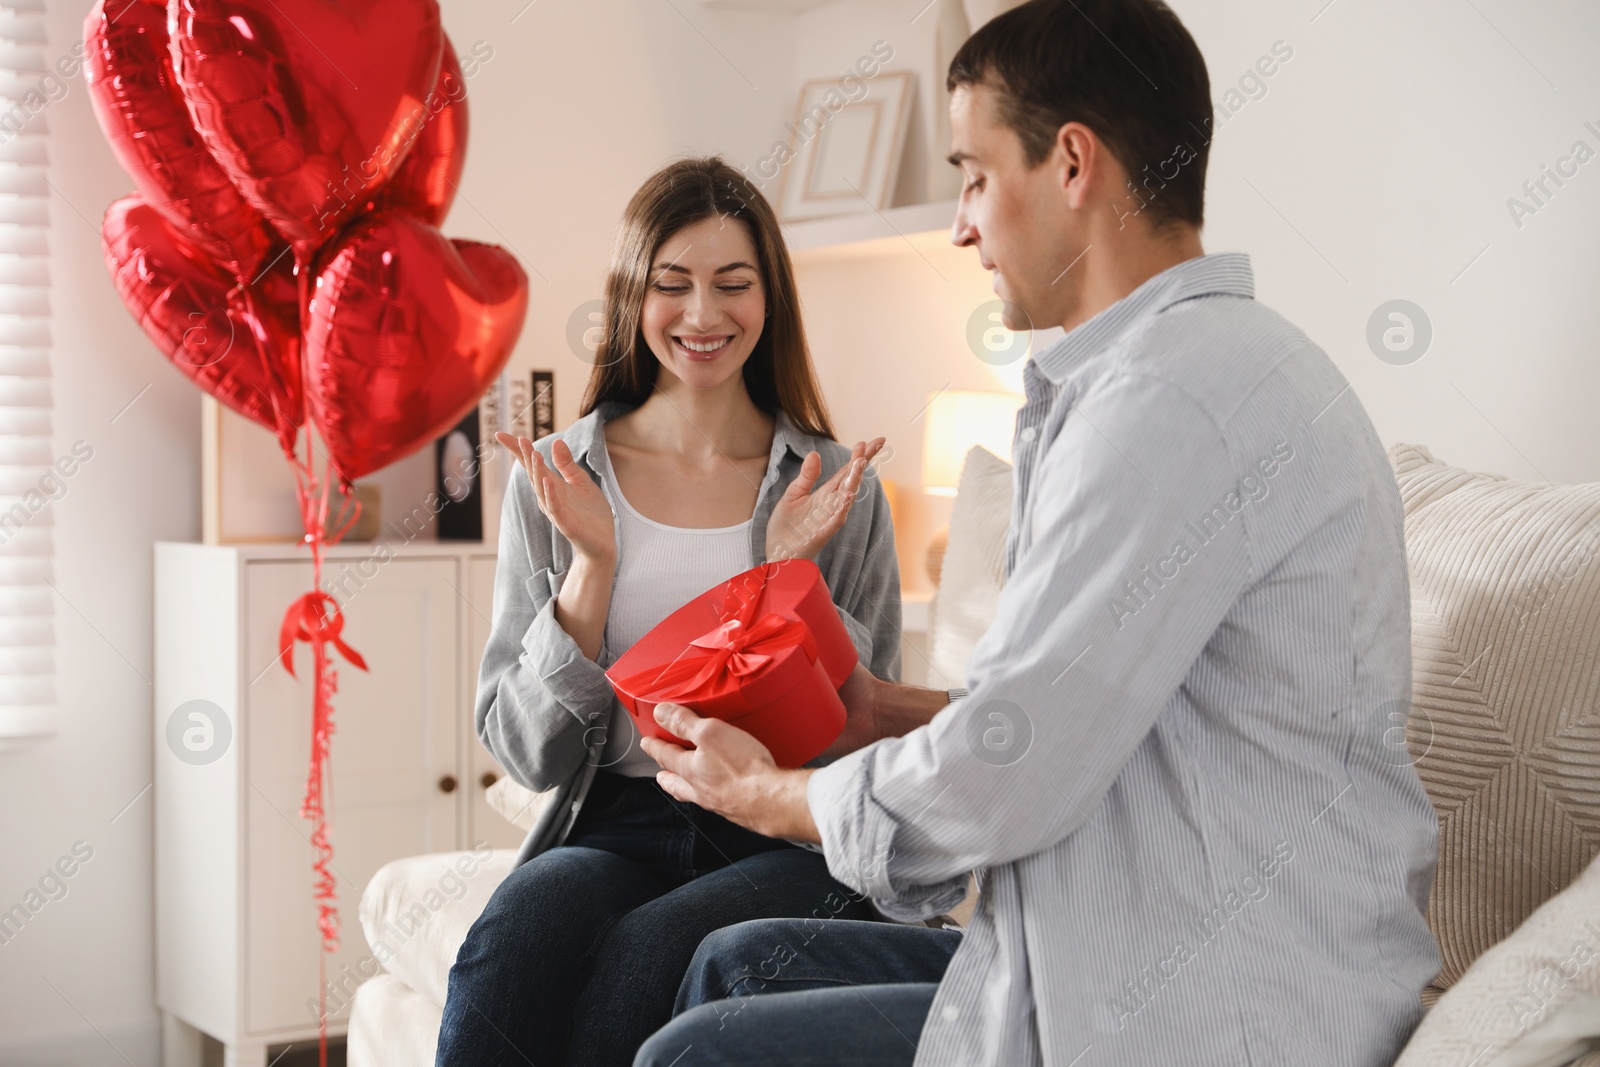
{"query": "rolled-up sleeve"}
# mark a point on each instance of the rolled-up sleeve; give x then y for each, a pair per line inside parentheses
(539, 697)
(1113, 598)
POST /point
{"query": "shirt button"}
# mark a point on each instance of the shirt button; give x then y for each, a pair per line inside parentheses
(1028, 433)
(950, 1013)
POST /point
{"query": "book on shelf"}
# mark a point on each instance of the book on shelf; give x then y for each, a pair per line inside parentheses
(523, 405)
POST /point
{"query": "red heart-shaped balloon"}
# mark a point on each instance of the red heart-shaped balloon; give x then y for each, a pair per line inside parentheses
(426, 182)
(131, 87)
(239, 344)
(407, 330)
(307, 105)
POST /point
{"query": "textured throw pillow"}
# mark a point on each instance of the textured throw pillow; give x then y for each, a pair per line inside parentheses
(974, 566)
(1505, 716)
(1533, 1000)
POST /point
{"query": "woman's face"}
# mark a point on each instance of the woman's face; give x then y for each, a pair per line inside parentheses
(704, 304)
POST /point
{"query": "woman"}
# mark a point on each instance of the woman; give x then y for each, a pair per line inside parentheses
(702, 440)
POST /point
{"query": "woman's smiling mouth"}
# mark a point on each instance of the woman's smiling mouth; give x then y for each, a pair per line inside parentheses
(702, 348)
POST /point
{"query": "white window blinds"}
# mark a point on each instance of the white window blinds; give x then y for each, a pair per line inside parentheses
(27, 635)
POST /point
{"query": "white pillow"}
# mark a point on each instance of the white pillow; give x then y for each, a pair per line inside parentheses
(974, 566)
(1533, 1000)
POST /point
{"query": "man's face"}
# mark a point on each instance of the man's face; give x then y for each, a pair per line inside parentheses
(1018, 219)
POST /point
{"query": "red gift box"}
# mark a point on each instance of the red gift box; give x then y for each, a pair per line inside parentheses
(764, 650)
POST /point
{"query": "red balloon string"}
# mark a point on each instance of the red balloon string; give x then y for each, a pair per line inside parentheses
(316, 619)
(285, 421)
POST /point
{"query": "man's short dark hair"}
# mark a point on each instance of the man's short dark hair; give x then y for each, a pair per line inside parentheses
(1127, 69)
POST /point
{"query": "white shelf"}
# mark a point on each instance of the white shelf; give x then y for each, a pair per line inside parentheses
(344, 550)
(893, 222)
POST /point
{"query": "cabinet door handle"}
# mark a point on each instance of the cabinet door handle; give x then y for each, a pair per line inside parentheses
(447, 784)
(489, 778)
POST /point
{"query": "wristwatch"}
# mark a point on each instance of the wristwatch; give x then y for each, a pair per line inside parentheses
(955, 694)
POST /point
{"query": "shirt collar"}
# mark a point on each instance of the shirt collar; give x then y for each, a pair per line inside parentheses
(1224, 273)
(582, 435)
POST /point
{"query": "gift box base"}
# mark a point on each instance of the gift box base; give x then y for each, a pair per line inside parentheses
(795, 731)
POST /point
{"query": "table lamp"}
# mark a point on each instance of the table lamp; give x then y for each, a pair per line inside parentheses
(955, 420)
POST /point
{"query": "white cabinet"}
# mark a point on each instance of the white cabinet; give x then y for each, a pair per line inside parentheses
(237, 939)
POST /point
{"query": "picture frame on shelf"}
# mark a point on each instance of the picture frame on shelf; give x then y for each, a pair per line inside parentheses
(845, 154)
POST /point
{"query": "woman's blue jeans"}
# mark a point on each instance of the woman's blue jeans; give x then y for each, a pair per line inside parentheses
(579, 954)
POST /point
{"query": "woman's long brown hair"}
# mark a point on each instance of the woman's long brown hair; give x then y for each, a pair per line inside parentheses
(778, 374)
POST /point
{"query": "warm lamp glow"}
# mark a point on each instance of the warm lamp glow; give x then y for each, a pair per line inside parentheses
(956, 420)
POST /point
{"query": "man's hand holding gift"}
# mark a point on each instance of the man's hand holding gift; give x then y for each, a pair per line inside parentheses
(731, 773)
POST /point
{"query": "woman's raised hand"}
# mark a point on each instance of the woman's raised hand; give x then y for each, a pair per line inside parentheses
(805, 518)
(569, 498)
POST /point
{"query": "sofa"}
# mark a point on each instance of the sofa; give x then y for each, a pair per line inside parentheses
(1503, 727)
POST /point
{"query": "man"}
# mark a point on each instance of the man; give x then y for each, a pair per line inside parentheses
(1200, 840)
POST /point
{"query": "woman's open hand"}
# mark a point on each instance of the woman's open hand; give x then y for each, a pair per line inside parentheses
(805, 518)
(569, 498)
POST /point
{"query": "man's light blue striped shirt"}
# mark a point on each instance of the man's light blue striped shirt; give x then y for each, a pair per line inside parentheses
(1179, 770)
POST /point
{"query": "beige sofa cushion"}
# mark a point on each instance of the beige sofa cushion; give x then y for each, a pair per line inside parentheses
(416, 912)
(1533, 1000)
(392, 1025)
(1505, 717)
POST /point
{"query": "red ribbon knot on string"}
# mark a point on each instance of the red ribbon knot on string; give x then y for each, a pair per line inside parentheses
(316, 619)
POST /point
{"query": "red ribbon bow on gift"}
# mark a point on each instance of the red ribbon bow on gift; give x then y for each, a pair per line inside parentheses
(735, 649)
(314, 618)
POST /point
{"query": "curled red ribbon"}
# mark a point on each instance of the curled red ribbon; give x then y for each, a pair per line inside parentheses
(737, 648)
(316, 619)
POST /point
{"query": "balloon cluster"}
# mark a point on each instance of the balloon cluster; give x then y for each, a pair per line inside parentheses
(293, 160)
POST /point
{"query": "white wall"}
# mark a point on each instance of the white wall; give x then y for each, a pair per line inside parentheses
(1383, 152)
(84, 961)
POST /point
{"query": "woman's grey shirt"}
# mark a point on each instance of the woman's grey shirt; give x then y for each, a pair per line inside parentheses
(543, 706)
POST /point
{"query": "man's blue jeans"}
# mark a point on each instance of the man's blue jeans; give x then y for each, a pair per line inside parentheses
(802, 993)
(580, 951)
